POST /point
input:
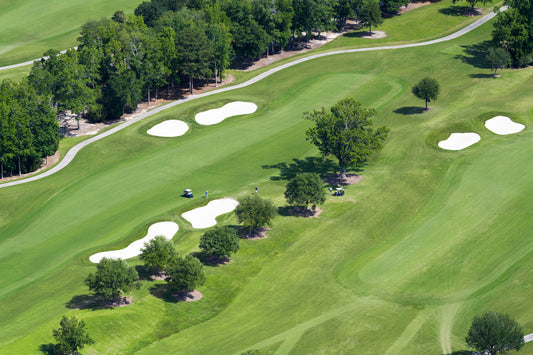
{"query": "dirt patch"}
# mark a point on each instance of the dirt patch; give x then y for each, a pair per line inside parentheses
(413, 5)
(258, 233)
(338, 180)
(375, 35)
(159, 277)
(306, 212)
(119, 302)
(188, 296)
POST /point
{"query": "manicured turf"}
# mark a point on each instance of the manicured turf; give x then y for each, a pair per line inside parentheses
(399, 265)
(30, 27)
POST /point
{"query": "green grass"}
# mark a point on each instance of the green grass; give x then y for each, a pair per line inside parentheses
(28, 28)
(400, 265)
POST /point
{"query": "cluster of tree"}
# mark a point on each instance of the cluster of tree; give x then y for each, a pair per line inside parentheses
(492, 333)
(513, 32)
(28, 128)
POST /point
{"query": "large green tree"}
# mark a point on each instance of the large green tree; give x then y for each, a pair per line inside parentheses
(426, 89)
(369, 14)
(112, 278)
(219, 241)
(346, 132)
(158, 253)
(305, 189)
(497, 58)
(492, 333)
(513, 31)
(71, 336)
(255, 212)
(185, 274)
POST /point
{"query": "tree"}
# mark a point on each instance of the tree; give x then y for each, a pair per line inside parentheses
(494, 333)
(219, 241)
(369, 14)
(254, 212)
(473, 2)
(497, 58)
(158, 253)
(345, 132)
(185, 274)
(513, 31)
(71, 336)
(304, 189)
(426, 89)
(112, 278)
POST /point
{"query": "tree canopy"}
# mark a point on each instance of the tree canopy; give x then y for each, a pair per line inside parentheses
(369, 14)
(494, 333)
(185, 274)
(71, 336)
(112, 278)
(255, 212)
(346, 132)
(158, 253)
(219, 241)
(497, 58)
(305, 189)
(426, 89)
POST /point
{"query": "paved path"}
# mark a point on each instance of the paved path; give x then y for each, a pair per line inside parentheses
(30, 61)
(74, 150)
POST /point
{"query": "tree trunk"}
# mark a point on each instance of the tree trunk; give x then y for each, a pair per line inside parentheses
(216, 76)
(148, 97)
(78, 120)
(20, 170)
(47, 160)
(1, 169)
(426, 104)
(191, 84)
(156, 95)
(343, 170)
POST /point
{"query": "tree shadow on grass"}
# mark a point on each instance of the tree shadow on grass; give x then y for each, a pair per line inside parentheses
(95, 303)
(49, 349)
(475, 54)
(144, 272)
(463, 10)
(481, 76)
(211, 260)
(163, 292)
(287, 171)
(461, 352)
(410, 110)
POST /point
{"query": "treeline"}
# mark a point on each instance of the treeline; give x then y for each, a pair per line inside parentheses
(28, 128)
(513, 32)
(123, 59)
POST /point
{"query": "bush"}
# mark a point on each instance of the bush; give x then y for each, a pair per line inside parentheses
(185, 274)
(219, 241)
(254, 212)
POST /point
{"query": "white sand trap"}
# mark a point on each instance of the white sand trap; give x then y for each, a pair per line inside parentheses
(503, 125)
(218, 115)
(169, 128)
(204, 217)
(166, 229)
(458, 141)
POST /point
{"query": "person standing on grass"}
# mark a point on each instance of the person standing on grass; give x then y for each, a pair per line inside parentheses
(256, 189)
(206, 193)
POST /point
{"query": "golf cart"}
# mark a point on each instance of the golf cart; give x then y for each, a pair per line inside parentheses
(187, 193)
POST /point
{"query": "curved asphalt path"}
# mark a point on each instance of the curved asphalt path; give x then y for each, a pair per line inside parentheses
(74, 150)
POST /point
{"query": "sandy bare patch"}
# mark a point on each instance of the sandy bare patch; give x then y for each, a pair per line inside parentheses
(413, 5)
(188, 296)
(503, 125)
(218, 115)
(169, 128)
(205, 217)
(338, 180)
(458, 141)
(165, 229)
(375, 35)
(306, 212)
(259, 233)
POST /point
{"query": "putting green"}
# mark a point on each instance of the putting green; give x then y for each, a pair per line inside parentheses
(400, 264)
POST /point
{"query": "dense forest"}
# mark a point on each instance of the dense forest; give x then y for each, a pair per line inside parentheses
(124, 59)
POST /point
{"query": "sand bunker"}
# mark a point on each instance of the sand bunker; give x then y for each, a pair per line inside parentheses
(204, 217)
(503, 125)
(458, 141)
(169, 128)
(218, 115)
(166, 229)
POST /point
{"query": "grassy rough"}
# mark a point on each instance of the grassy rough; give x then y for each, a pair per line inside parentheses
(400, 264)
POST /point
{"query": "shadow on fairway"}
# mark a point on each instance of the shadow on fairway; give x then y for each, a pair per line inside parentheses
(410, 110)
(461, 352)
(475, 54)
(482, 76)
(321, 166)
(211, 260)
(460, 11)
(49, 349)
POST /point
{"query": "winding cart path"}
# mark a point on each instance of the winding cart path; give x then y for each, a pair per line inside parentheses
(74, 150)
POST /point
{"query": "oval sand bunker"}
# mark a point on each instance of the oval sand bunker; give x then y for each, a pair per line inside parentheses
(204, 217)
(503, 125)
(166, 229)
(218, 115)
(169, 128)
(458, 141)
